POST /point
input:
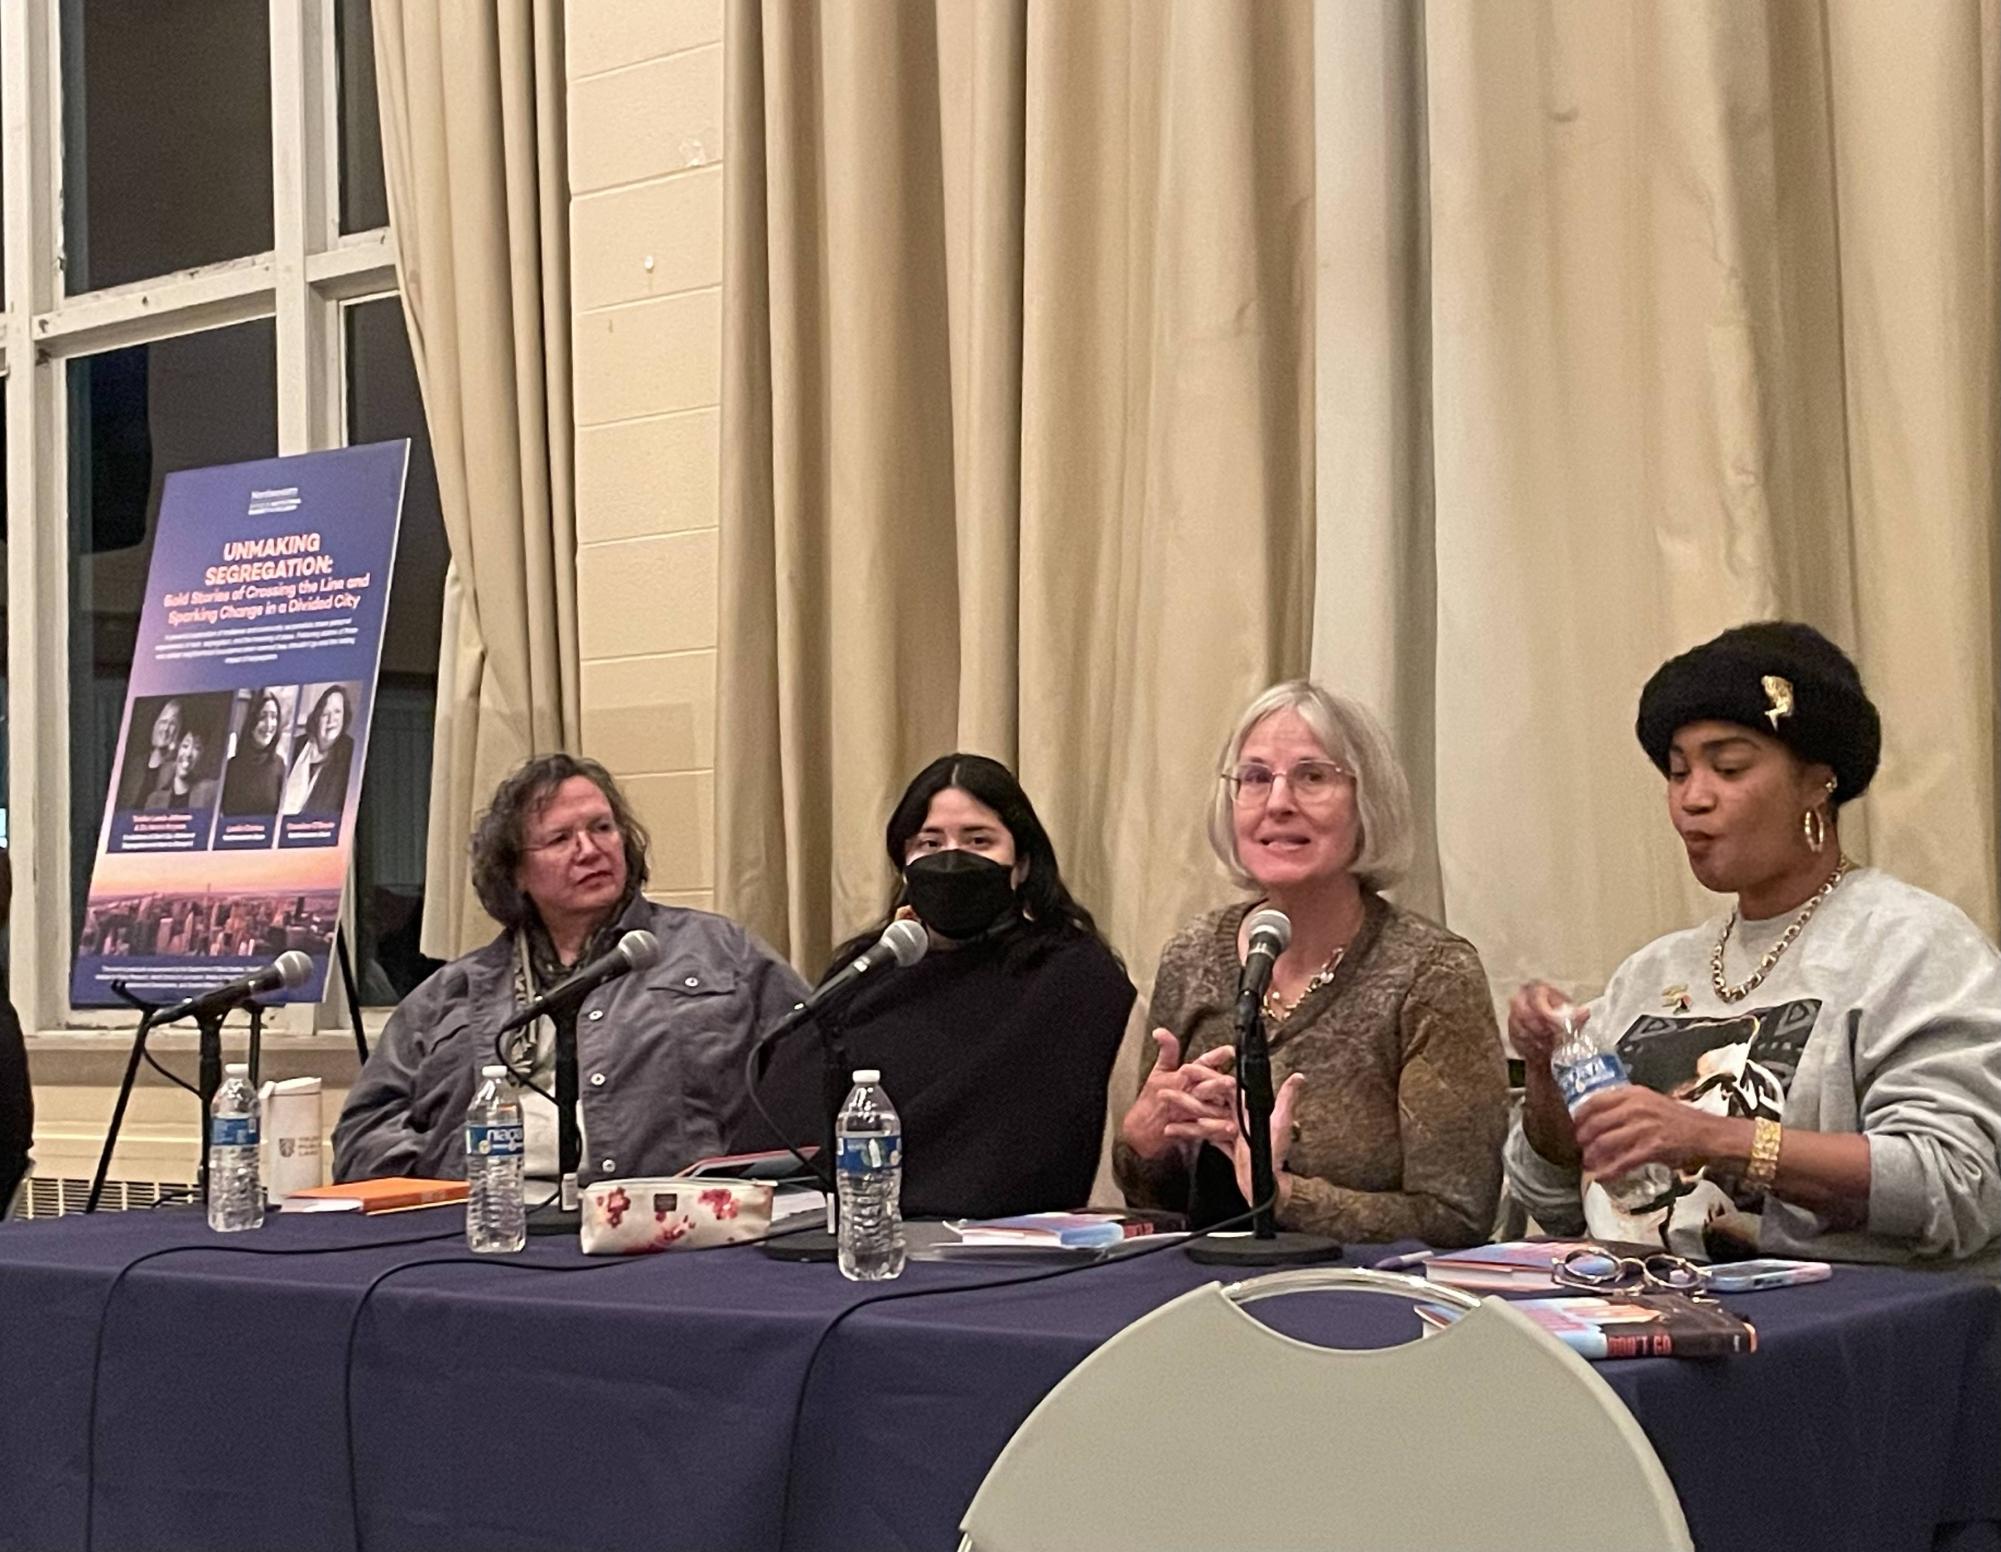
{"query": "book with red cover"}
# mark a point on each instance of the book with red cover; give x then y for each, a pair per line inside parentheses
(1630, 1325)
(392, 1193)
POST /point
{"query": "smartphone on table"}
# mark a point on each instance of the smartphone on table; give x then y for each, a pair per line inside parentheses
(1747, 1276)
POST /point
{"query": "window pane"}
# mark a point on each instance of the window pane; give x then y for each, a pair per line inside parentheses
(5, 828)
(135, 416)
(166, 136)
(364, 202)
(389, 835)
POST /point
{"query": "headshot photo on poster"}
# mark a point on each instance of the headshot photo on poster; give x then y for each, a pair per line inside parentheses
(253, 783)
(322, 763)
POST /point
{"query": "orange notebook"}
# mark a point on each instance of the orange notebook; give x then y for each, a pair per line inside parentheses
(393, 1193)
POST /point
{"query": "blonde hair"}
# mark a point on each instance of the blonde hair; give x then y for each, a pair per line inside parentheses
(1351, 735)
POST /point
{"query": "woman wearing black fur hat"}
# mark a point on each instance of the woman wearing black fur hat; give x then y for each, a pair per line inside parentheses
(1820, 1069)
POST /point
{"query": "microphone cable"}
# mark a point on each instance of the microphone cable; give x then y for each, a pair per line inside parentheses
(820, 1169)
(172, 1077)
(104, 1323)
(466, 1258)
(905, 954)
(615, 1263)
(986, 1285)
(526, 1078)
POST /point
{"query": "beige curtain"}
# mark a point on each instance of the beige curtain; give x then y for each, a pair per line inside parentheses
(473, 149)
(1017, 409)
(1637, 321)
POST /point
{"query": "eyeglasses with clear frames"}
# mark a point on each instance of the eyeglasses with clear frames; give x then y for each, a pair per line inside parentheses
(1600, 1271)
(1312, 781)
(602, 833)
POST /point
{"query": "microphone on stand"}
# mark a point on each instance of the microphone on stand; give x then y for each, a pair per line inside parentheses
(903, 943)
(1269, 933)
(635, 951)
(288, 971)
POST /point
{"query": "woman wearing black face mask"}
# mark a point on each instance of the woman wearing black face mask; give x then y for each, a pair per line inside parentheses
(997, 1048)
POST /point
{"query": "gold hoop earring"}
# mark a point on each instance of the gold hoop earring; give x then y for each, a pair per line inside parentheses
(1815, 829)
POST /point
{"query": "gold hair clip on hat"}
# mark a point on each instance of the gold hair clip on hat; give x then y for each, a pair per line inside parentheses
(1779, 694)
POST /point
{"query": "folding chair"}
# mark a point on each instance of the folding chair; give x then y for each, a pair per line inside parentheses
(1200, 1427)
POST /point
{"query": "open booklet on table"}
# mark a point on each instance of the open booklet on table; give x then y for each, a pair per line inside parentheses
(1089, 1234)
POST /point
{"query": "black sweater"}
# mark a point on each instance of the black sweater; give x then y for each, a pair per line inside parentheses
(996, 1055)
(17, 1104)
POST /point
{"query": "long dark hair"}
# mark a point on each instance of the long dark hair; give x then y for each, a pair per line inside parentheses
(270, 750)
(1048, 910)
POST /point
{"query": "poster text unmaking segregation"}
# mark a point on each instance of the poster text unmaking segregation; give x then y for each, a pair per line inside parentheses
(231, 813)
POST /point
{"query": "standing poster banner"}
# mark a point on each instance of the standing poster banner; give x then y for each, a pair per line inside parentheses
(230, 818)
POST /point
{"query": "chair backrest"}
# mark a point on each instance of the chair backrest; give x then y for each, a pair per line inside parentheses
(1198, 1426)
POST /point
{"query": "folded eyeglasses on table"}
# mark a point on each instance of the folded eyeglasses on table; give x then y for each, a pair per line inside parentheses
(1597, 1270)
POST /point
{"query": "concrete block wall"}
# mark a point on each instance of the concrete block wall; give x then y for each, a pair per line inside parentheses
(646, 254)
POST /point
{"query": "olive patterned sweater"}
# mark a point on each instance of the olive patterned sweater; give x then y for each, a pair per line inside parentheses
(1398, 1127)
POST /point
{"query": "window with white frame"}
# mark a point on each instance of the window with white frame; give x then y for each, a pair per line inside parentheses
(197, 270)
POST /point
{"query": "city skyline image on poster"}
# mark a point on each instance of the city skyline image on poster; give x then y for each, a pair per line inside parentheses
(230, 818)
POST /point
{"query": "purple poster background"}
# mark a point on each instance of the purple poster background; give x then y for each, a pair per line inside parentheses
(230, 818)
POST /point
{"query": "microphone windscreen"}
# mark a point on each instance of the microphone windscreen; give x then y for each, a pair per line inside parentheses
(294, 969)
(1270, 923)
(907, 940)
(639, 948)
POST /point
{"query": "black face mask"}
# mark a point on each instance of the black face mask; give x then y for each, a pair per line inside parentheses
(958, 893)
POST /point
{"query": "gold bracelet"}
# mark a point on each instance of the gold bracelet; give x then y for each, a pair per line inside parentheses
(1766, 1135)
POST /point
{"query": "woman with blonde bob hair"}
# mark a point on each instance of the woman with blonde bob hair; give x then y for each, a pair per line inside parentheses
(1392, 1098)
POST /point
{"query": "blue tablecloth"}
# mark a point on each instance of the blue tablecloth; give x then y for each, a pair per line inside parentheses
(710, 1401)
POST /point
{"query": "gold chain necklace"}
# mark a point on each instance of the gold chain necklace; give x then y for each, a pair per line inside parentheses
(1771, 955)
(1278, 1012)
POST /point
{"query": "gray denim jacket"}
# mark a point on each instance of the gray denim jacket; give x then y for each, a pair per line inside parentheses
(660, 1054)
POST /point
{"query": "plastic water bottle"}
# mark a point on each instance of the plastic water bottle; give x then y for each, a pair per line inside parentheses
(496, 1205)
(868, 1170)
(235, 1191)
(1583, 1068)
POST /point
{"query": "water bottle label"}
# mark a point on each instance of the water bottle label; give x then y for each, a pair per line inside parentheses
(494, 1141)
(1580, 1080)
(232, 1132)
(865, 1155)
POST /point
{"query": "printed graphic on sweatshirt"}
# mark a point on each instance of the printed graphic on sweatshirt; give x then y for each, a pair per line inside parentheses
(1736, 1064)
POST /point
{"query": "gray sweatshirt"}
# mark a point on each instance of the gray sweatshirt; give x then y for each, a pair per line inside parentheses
(1883, 1018)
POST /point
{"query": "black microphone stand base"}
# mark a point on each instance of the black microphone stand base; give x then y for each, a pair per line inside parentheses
(1284, 1248)
(552, 1217)
(555, 1220)
(803, 1245)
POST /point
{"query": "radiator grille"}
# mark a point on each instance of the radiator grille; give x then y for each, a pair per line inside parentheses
(55, 1198)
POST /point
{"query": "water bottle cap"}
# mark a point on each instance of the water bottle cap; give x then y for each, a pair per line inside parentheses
(867, 1075)
(493, 1070)
(236, 1069)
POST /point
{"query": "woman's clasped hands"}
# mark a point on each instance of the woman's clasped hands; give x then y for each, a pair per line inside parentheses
(1186, 1104)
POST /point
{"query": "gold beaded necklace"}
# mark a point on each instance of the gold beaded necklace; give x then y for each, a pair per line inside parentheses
(1771, 955)
(1278, 1012)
